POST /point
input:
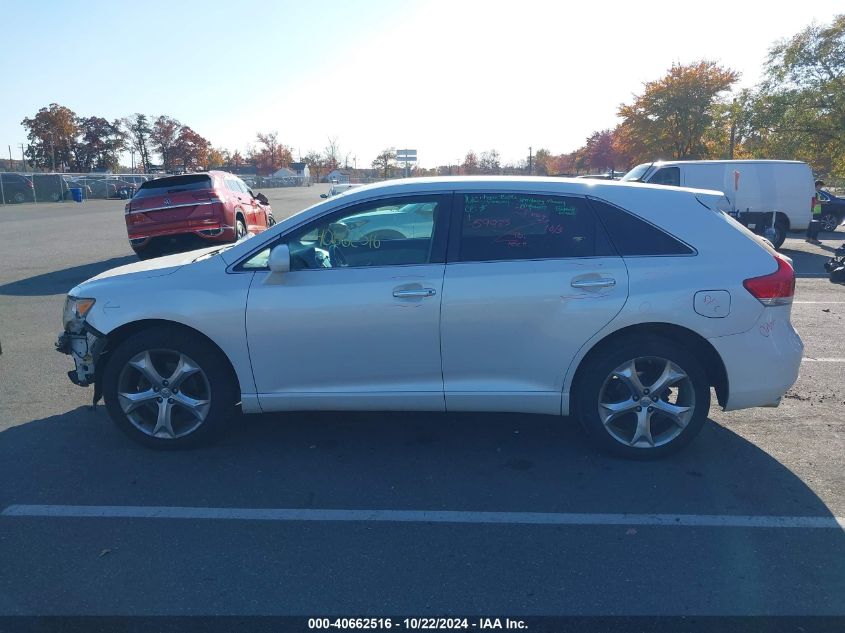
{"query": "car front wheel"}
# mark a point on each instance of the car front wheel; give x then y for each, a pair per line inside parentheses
(642, 398)
(169, 389)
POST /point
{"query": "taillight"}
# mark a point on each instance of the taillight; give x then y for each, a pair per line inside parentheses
(775, 289)
(29, 184)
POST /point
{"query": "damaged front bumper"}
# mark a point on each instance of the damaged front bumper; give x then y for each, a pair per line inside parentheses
(85, 348)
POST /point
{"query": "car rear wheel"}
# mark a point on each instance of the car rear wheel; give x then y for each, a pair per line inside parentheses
(18, 197)
(643, 398)
(829, 222)
(240, 229)
(780, 233)
(169, 389)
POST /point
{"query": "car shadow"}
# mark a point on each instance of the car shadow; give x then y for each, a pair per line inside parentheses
(60, 281)
(421, 461)
(807, 264)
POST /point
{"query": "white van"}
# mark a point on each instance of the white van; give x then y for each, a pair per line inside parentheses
(758, 191)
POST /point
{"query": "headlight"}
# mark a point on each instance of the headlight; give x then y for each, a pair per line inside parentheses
(74, 313)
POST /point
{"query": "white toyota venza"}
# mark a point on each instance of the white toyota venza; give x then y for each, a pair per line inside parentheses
(618, 305)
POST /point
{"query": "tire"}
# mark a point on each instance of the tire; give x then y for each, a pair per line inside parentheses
(670, 425)
(829, 222)
(780, 233)
(271, 221)
(240, 229)
(204, 390)
(18, 197)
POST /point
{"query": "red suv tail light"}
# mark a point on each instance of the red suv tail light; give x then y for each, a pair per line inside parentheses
(775, 289)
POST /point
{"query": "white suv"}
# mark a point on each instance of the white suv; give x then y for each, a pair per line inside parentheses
(618, 304)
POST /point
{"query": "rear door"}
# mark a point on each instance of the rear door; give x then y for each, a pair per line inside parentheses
(529, 279)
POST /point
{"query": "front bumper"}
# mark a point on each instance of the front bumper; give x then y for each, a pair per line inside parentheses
(85, 348)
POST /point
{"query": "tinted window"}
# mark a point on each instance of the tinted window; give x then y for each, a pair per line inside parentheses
(502, 226)
(670, 176)
(634, 236)
(174, 184)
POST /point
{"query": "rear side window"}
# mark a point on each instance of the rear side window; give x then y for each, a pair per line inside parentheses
(633, 236)
(174, 184)
(670, 176)
(504, 226)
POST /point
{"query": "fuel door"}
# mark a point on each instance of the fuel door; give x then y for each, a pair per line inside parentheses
(713, 304)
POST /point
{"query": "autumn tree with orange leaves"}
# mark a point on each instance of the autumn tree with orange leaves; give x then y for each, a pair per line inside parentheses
(670, 118)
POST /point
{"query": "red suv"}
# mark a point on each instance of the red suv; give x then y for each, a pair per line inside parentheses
(192, 211)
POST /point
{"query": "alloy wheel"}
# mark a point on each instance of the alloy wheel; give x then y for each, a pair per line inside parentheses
(646, 402)
(164, 393)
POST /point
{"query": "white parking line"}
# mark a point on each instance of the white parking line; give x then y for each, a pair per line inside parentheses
(823, 360)
(422, 516)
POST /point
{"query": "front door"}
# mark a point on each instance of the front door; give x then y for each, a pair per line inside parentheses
(530, 279)
(355, 324)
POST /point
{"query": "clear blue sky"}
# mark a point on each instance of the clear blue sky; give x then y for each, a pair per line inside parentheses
(439, 76)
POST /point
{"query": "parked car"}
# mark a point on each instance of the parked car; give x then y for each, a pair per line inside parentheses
(180, 212)
(833, 210)
(339, 188)
(620, 305)
(100, 187)
(16, 188)
(762, 194)
(49, 187)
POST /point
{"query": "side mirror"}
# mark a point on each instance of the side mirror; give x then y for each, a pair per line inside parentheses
(279, 261)
(262, 198)
(324, 195)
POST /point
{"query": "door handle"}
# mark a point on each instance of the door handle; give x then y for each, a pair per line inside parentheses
(604, 282)
(414, 292)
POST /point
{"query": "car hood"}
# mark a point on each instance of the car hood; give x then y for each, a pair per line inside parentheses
(157, 267)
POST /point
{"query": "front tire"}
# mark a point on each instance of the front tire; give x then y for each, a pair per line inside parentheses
(642, 398)
(167, 388)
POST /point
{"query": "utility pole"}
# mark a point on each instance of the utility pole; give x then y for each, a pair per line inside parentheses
(11, 161)
(23, 159)
(530, 161)
(733, 130)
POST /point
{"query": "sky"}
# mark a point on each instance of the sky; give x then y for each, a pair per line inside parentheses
(441, 77)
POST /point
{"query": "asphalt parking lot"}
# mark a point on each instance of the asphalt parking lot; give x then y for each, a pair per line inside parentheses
(456, 514)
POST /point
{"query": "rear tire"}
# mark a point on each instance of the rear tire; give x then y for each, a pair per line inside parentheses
(780, 233)
(168, 389)
(240, 229)
(642, 398)
(829, 222)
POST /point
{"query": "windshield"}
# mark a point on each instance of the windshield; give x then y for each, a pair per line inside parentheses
(637, 172)
(174, 184)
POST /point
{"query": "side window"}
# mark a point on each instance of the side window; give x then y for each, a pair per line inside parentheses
(381, 233)
(670, 176)
(504, 226)
(633, 236)
(232, 185)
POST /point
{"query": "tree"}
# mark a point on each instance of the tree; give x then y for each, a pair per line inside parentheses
(52, 134)
(384, 162)
(804, 97)
(99, 145)
(332, 154)
(315, 164)
(672, 115)
(139, 130)
(489, 162)
(273, 155)
(217, 158)
(542, 161)
(163, 138)
(190, 150)
(470, 164)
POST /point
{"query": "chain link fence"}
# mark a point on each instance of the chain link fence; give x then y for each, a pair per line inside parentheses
(38, 188)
